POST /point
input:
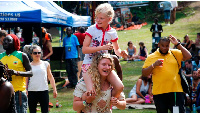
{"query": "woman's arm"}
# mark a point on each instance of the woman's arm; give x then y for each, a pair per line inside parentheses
(27, 82)
(150, 89)
(191, 42)
(145, 49)
(78, 104)
(138, 86)
(150, 92)
(127, 50)
(52, 81)
(50, 50)
(138, 52)
(85, 100)
(134, 50)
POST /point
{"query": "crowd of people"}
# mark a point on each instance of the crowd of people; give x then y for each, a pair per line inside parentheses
(98, 83)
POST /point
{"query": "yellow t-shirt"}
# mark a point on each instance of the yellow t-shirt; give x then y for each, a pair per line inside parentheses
(165, 79)
(15, 62)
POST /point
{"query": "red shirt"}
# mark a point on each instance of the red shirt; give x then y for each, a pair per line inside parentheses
(81, 37)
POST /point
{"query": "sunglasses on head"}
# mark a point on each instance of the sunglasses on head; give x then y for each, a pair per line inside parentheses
(35, 53)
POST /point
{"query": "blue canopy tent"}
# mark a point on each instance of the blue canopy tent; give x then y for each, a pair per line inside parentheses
(15, 14)
(19, 14)
(30, 12)
(16, 11)
(49, 18)
(48, 6)
(77, 20)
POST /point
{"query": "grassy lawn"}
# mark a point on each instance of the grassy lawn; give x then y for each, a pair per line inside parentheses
(131, 71)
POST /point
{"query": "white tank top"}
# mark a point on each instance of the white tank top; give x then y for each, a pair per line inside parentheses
(38, 82)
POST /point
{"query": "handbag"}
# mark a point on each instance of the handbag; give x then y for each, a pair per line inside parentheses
(184, 82)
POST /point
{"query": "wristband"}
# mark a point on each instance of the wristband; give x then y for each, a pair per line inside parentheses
(84, 103)
(87, 104)
(152, 66)
(177, 44)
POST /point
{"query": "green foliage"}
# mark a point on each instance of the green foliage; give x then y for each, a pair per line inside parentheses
(146, 12)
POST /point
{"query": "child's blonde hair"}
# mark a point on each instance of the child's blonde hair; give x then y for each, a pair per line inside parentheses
(105, 8)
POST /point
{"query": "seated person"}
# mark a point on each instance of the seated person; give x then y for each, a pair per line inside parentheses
(196, 62)
(102, 100)
(131, 51)
(140, 89)
(143, 53)
(195, 82)
(195, 92)
(188, 42)
(194, 51)
(187, 70)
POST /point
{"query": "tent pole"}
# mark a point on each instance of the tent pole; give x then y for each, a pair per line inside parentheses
(40, 34)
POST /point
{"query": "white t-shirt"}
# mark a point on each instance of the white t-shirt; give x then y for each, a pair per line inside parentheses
(156, 29)
(38, 82)
(99, 38)
(174, 4)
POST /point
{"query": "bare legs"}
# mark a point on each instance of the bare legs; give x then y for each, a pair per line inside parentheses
(135, 100)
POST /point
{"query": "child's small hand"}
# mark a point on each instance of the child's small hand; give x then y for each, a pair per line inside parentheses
(108, 46)
(114, 101)
(90, 96)
(124, 53)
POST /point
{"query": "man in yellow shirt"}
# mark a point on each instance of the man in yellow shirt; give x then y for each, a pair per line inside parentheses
(19, 67)
(167, 89)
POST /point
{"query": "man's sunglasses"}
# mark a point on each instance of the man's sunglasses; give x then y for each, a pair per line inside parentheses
(35, 53)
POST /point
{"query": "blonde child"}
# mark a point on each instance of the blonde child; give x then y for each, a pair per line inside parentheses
(97, 39)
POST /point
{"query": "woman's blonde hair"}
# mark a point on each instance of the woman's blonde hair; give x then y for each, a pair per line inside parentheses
(93, 70)
(105, 8)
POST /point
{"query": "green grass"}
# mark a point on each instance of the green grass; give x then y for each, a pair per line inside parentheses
(131, 71)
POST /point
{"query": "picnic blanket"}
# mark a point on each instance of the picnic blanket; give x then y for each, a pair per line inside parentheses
(140, 106)
(133, 27)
